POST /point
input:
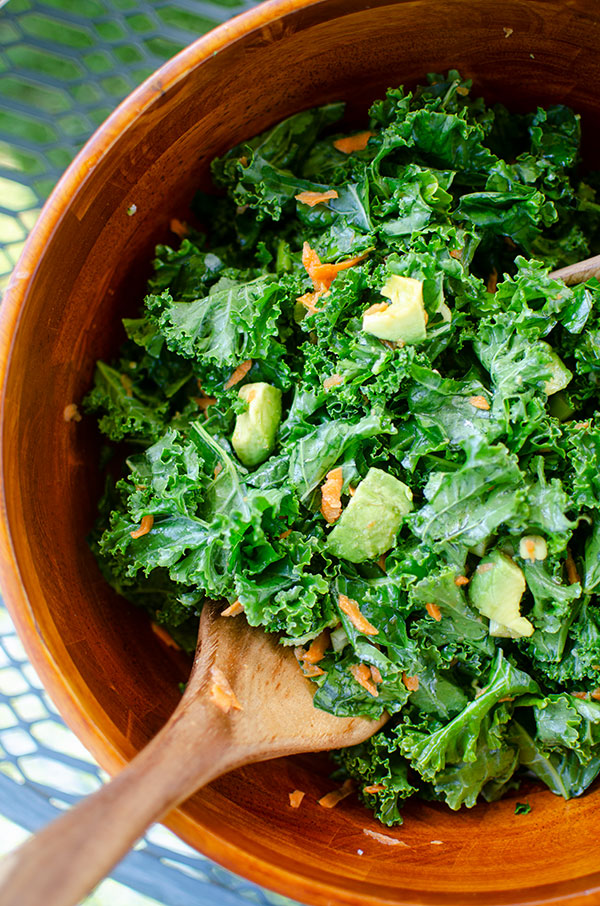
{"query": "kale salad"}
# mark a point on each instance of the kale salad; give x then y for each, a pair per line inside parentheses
(357, 407)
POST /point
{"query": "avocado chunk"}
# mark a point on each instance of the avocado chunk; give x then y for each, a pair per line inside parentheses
(560, 374)
(253, 438)
(367, 527)
(405, 319)
(496, 590)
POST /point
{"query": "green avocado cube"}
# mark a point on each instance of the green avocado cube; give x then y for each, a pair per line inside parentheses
(496, 589)
(560, 374)
(405, 319)
(255, 429)
(367, 527)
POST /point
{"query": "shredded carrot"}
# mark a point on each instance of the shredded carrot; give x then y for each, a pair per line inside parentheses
(317, 648)
(296, 798)
(572, 574)
(596, 694)
(462, 90)
(203, 402)
(426, 317)
(479, 402)
(127, 384)
(285, 534)
(507, 698)
(330, 800)
(164, 636)
(221, 693)
(145, 526)
(374, 788)
(352, 143)
(309, 300)
(331, 491)
(233, 610)
(530, 550)
(323, 275)
(332, 381)
(244, 160)
(351, 490)
(456, 253)
(461, 580)
(492, 281)
(484, 567)
(71, 413)
(362, 675)
(411, 682)
(351, 609)
(434, 611)
(378, 306)
(314, 198)
(218, 469)
(381, 562)
(179, 227)
(239, 374)
(579, 694)
(311, 670)
(377, 677)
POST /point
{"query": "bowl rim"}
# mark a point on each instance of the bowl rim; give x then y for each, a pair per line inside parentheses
(215, 847)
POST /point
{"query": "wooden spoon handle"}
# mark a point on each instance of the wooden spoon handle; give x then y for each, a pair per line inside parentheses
(579, 272)
(62, 863)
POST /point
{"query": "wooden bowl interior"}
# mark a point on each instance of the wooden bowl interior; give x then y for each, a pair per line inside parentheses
(85, 268)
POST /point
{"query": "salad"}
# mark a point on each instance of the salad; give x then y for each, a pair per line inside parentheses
(357, 407)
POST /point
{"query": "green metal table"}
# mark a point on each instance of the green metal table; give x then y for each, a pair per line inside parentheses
(64, 66)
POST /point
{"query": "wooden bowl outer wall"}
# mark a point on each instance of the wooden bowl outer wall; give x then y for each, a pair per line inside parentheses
(84, 267)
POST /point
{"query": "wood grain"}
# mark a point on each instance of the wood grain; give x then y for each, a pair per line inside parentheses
(84, 267)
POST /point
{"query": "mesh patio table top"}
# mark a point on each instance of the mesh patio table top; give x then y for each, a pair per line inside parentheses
(64, 66)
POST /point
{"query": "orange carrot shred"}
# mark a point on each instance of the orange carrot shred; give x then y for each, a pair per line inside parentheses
(352, 143)
(239, 374)
(378, 306)
(145, 526)
(221, 693)
(317, 648)
(218, 470)
(71, 413)
(492, 281)
(411, 682)
(572, 574)
(351, 609)
(351, 490)
(456, 253)
(311, 670)
(323, 275)
(596, 694)
(434, 611)
(374, 788)
(330, 800)
(296, 798)
(309, 300)
(377, 677)
(381, 562)
(233, 610)
(507, 698)
(479, 402)
(362, 675)
(579, 694)
(331, 491)
(461, 580)
(332, 381)
(179, 227)
(314, 198)
(164, 636)
(285, 534)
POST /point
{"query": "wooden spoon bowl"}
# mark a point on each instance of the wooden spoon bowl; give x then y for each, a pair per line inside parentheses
(84, 267)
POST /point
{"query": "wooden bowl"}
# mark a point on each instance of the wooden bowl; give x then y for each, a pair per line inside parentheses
(83, 267)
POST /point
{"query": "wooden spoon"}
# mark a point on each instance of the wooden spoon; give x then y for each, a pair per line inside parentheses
(59, 865)
(579, 272)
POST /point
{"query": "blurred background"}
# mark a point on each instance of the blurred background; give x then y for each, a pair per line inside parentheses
(64, 66)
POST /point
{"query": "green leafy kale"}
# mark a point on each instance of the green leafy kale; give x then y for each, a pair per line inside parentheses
(476, 206)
